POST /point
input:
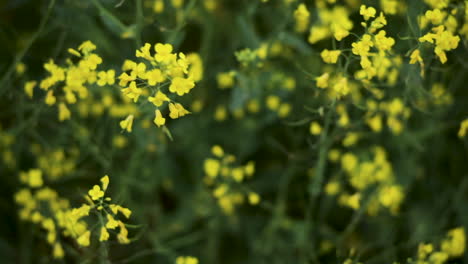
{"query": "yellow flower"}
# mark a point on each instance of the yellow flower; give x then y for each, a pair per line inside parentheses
(454, 244)
(154, 77)
(159, 120)
(105, 182)
(225, 79)
(322, 80)
(104, 236)
(159, 98)
(122, 236)
(181, 86)
(273, 102)
(211, 167)
(106, 78)
(177, 110)
(284, 110)
(20, 68)
(35, 178)
(144, 52)
(330, 56)
(220, 113)
(111, 222)
(217, 151)
(463, 128)
(87, 47)
(83, 240)
(383, 43)
(367, 12)
(301, 15)
(163, 52)
(249, 168)
(64, 113)
(132, 91)
(29, 88)
(58, 251)
(237, 174)
(254, 198)
(127, 123)
(363, 46)
(315, 128)
(96, 192)
(332, 187)
(50, 98)
(186, 260)
(434, 16)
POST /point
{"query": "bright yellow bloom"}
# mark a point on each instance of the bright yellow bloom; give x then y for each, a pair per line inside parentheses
(144, 52)
(211, 167)
(315, 128)
(177, 110)
(163, 52)
(217, 151)
(301, 15)
(64, 113)
(383, 43)
(106, 78)
(83, 240)
(154, 77)
(254, 198)
(181, 86)
(105, 182)
(159, 120)
(96, 192)
(111, 222)
(58, 251)
(29, 88)
(435, 16)
(50, 98)
(454, 244)
(322, 80)
(330, 56)
(132, 92)
(87, 47)
(367, 12)
(104, 236)
(35, 178)
(186, 260)
(159, 98)
(127, 123)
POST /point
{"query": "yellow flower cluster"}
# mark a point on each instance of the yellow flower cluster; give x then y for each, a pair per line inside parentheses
(155, 72)
(186, 260)
(55, 163)
(65, 84)
(338, 84)
(452, 246)
(273, 103)
(42, 205)
(225, 177)
(375, 63)
(332, 22)
(443, 40)
(362, 174)
(6, 142)
(396, 113)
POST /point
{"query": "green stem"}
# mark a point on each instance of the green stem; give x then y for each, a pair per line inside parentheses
(315, 185)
